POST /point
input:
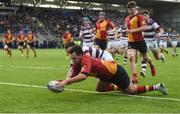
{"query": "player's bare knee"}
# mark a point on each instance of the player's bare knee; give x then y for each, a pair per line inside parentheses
(131, 89)
(131, 56)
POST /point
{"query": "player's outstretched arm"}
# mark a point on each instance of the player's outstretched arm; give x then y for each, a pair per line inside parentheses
(78, 78)
(69, 74)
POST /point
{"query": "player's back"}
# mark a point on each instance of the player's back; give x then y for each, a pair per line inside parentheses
(98, 53)
(105, 70)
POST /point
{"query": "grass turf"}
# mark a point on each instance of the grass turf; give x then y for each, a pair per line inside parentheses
(51, 64)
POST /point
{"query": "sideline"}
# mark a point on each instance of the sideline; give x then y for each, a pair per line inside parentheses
(94, 92)
(41, 68)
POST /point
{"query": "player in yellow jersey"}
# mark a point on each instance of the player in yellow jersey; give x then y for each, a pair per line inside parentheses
(21, 41)
(30, 43)
(8, 40)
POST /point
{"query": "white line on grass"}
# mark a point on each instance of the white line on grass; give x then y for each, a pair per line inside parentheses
(42, 68)
(84, 91)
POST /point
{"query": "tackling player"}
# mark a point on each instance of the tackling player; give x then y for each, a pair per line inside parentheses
(152, 32)
(87, 33)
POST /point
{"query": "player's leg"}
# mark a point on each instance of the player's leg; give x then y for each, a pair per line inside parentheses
(131, 55)
(20, 47)
(143, 67)
(154, 49)
(157, 55)
(125, 56)
(123, 51)
(142, 48)
(103, 86)
(33, 49)
(152, 66)
(117, 49)
(134, 89)
(122, 79)
(6, 48)
(9, 52)
(110, 49)
(174, 44)
(27, 51)
(163, 48)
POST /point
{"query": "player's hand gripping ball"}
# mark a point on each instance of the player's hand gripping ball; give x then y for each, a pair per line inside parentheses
(54, 86)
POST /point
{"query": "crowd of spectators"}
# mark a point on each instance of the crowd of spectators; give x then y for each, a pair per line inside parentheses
(48, 25)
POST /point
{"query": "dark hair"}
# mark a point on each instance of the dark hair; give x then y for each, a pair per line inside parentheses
(77, 49)
(131, 4)
(145, 12)
(69, 44)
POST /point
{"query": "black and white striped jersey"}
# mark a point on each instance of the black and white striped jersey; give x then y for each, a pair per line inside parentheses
(149, 34)
(87, 34)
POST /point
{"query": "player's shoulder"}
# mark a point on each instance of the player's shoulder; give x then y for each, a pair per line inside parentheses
(139, 16)
(85, 58)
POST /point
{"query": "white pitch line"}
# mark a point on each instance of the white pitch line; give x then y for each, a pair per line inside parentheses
(42, 68)
(84, 91)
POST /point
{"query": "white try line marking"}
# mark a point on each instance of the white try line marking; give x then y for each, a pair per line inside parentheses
(84, 91)
(41, 68)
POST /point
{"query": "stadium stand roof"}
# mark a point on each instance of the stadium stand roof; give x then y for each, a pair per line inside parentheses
(144, 3)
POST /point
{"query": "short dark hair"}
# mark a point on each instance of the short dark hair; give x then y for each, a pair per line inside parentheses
(77, 49)
(131, 4)
(145, 12)
(69, 44)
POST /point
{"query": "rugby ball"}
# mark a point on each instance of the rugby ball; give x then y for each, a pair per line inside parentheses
(54, 86)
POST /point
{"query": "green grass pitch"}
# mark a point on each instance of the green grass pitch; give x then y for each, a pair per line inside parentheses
(51, 64)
